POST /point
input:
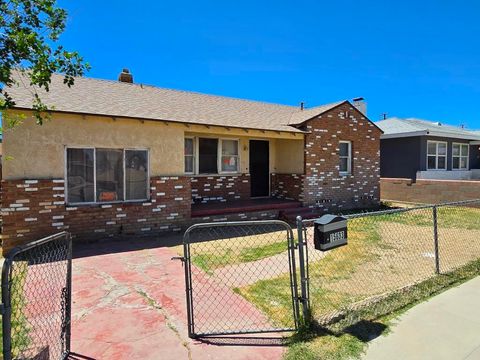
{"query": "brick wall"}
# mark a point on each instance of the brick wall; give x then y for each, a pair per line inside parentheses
(287, 186)
(323, 184)
(220, 188)
(35, 208)
(429, 191)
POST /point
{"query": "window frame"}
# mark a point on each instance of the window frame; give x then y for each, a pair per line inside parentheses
(220, 155)
(96, 202)
(194, 169)
(461, 156)
(436, 142)
(196, 155)
(348, 157)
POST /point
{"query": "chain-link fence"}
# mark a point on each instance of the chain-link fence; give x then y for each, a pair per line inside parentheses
(36, 297)
(228, 268)
(393, 258)
(242, 277)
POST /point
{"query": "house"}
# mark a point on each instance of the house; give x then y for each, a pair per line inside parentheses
(419, 149)
(118, 158)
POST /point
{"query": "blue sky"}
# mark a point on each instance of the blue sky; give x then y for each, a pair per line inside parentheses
(407, 58)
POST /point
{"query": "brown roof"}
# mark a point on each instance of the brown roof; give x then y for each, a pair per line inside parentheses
(114, 98)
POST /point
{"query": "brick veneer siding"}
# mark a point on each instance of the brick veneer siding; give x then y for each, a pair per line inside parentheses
(287, 186)
(323, 185)
(429, 191)
(35, 208)
(220, 188)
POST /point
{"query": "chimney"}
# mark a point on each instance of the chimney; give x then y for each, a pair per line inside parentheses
(361, 105)
(302, 106)
(125, 76)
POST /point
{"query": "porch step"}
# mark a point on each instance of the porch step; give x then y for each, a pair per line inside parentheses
(233, 207)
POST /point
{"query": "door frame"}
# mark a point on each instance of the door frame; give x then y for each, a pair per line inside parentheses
(269, 175)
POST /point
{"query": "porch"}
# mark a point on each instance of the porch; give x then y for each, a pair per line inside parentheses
(242, 206)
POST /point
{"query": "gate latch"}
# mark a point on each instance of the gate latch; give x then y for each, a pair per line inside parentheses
(181, 258)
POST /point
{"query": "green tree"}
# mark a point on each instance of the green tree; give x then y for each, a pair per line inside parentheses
(29, 35)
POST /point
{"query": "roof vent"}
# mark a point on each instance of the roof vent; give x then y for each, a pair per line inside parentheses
(438, 123)
(360, 104)
(125, 76)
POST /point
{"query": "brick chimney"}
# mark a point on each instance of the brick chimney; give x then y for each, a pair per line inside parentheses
(125, 76)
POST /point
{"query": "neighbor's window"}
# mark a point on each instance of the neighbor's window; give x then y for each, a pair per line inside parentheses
(189, 155)
(345, 153)
(460, 156)
(436, 155)
(106, 175)
(229, 156)
(207, 156)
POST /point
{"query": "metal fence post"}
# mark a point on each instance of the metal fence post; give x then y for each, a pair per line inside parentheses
(7, 310)
(68, 332)
(302, 265)
(435, 240)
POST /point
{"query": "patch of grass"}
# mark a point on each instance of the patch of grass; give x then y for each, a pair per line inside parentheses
(273, 298)
(349, 337)
(20, 326)
(209, 261)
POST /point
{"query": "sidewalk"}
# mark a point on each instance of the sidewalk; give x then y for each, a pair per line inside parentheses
(445, 327)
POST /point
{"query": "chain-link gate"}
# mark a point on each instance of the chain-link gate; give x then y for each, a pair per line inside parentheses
(36, 299)
(225, 264)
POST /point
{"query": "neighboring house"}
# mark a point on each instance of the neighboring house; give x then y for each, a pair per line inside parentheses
(419, 149)
(118, 158)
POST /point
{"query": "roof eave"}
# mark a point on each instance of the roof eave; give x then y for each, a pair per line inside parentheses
(293, 131)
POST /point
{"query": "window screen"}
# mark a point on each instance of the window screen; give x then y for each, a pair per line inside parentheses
(109, 174)
(80, 186)
(136, 174)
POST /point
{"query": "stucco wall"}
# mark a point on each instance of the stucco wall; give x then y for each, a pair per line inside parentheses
(289, 157)
(37, 152)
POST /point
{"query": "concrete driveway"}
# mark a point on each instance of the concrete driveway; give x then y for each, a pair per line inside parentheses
(129, 303)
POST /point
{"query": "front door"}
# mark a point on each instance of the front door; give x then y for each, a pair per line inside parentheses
(259, 168)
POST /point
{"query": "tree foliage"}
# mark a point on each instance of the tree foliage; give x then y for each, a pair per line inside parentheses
(29, 35)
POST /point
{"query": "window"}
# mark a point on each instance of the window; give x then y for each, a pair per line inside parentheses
(80, 178)
(345, 152)
(106, 175)
(460, 156)
(189, 156)
(211, 155)
(436, 155)
(229, 156)
(207, 156)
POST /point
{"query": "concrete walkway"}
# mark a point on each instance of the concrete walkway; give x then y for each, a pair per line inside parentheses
(129, 303)
(445, 327)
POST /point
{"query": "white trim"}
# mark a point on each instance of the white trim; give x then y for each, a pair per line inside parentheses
(437, 133)
(193, 155)
(461, 156)
(349, 158)
(437, 155)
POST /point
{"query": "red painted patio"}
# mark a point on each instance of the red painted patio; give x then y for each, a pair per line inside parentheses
(129, 303)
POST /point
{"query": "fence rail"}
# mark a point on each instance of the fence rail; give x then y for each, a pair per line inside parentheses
(36, 299)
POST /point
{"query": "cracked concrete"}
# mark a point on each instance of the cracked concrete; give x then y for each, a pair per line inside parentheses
(129, 303)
